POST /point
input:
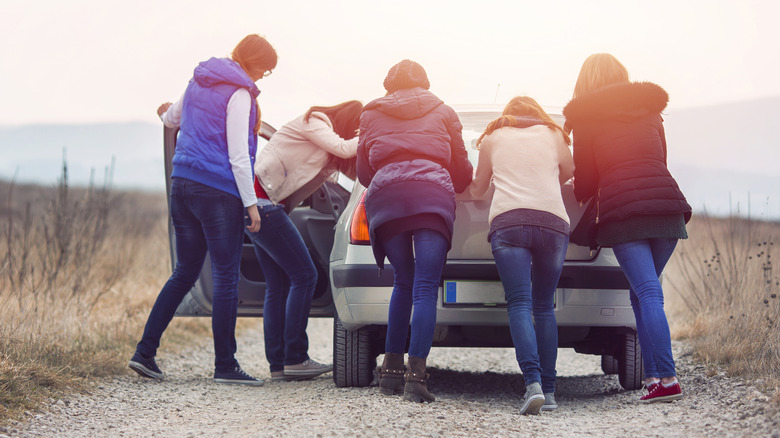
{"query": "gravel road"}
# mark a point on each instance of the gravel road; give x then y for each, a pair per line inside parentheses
(478, 393)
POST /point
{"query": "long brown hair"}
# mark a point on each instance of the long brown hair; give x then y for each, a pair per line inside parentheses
(599, 70)
(522, 106)
(255, 55)
(345, 118)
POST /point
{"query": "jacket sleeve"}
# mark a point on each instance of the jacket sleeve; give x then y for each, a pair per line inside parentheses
(460, 168)
(586, 176)
(662, 133)
(364, 171)
(321, 133)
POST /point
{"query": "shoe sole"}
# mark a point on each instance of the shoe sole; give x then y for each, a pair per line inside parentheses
(304, 374)
(239, 382)
(533, 405)
(548, 407)
(145, 372)
(663, 399)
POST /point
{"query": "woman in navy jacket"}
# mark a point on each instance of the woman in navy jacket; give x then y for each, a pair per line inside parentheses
(211, 193)
(412, 159)
(620, 165)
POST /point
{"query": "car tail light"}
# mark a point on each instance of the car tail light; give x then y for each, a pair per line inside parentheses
(358, 228)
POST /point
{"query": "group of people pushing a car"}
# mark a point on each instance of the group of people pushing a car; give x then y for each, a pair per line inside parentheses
(406, 147)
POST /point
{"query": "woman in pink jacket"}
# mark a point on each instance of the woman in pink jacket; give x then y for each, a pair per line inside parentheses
(296, 161)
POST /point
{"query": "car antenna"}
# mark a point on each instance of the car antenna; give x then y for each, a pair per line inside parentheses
(497, 88)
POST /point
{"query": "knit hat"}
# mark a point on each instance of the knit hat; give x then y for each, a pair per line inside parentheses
(406, 74)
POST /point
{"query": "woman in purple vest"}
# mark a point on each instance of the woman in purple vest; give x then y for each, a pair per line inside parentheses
(211, 193)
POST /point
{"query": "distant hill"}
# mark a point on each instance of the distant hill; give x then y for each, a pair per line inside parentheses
(719, 154)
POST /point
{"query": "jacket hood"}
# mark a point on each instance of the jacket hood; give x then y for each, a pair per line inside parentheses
(630, 99)
(408, 104)
(217, 71)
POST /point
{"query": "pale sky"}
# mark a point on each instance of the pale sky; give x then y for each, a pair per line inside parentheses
(86, 61)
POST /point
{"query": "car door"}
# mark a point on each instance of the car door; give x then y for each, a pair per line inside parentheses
(315, 218)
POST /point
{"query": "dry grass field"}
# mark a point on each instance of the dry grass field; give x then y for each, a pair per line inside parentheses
(722, 294)
(80, 269)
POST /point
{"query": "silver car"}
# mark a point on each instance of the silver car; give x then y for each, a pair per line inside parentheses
(592, 305)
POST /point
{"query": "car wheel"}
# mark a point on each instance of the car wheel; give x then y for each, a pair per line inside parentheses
(353, 358)
(609, 364)
(630, 362)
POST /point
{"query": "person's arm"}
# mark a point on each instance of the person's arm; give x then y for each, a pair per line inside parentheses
(237, 128)
(364, 171)
(481, 183)
(460, 167)
(565, 161)
(586, 176)
(319, 132)
(170, 113)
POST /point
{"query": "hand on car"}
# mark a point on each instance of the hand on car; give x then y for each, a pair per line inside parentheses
(254, 217)
(163, 108)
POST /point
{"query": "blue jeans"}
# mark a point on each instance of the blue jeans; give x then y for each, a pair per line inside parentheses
(416, 284)
(290, 279)
(205, 220)
(529, 261)
(643, 261)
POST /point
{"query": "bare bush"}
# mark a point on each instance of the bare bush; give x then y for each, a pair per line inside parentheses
(725, 278)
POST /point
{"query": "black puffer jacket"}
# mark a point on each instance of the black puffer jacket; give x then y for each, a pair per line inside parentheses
(412, 158)
(620, 152)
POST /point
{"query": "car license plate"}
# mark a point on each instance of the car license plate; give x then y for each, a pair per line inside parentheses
(482, 293)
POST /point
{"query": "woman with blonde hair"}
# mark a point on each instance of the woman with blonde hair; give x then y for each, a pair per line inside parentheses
(211, 193)
(620, 157)
(526, 156)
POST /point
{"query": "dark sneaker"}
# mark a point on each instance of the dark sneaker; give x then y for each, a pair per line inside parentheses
(278, 375)
(549, 402)
(660, 393)
(145, 366)
(307, 369)
(534, 399)
(236, 376)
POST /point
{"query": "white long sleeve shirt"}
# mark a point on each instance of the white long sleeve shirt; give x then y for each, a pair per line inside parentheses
(237, 126)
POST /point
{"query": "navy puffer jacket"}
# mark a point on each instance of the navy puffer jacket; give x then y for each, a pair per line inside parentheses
(620, 152)
(412, 159)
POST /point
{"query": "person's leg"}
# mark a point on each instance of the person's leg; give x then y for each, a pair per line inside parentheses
(549, 253)
(430, 252)
(222, 219)
(648, 357)
(276, 287)
(190, 254)
(639, 262)
(513, 260)
(400, 255)
(282, 242)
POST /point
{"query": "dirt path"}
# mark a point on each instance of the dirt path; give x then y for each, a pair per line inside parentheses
(478, 393)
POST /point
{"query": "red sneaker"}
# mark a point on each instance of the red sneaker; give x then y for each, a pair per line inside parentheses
(660, 393)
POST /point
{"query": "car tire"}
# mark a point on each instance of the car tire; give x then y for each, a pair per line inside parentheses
(353, 358)
(609, 364)
(630, 367)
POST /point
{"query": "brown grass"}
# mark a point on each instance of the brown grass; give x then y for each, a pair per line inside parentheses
(724, 296)
(79, 271)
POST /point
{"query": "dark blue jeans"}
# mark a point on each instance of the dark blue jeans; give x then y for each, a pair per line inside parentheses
(205, 220)
(290, 279)
(643, 261)
(529, 261)
(418, 259)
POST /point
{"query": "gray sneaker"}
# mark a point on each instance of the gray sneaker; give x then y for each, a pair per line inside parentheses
(549, 402)
(534, 399)
(307, 369)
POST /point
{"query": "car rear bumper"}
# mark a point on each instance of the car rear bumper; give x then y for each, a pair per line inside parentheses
(587, 295)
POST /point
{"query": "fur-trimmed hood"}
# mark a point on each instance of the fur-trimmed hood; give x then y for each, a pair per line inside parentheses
(630, 99)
